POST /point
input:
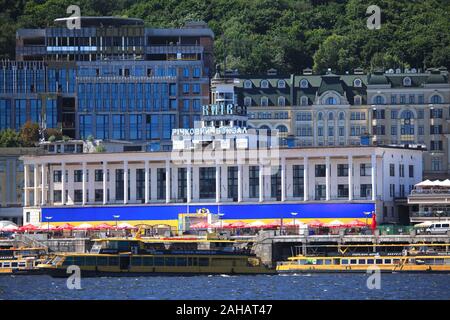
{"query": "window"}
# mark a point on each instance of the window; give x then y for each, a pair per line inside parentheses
(57, 196)
(281, 101)
(78, 196)
(320, 116)
(247, 101)
(365, 190)
(298, 179)
(342, 170)
(253, 181)
(436, 113)
(304, 83)
(331, 100)
(341, 116)
(247, 84)
(304, 101)
(161, 183)
(436, 99)
(264, 84)
(357, 100)
(78, 176)
(264, 101)
(98, 195)
(320, 170)
(233, 183)
(411, 171)
(207, 181)
(378, 100)
(407, 81)
(57, 176)
(281, 84)
(343, 190)
(357, 83)
(275, 183)
(401, 170)
(392, 170)
(365, 170)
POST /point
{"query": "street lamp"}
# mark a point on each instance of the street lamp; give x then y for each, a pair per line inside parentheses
(220, 218)
(117, 218)
(48, 223)
(367, 213)
(294, 214)
(439, 214)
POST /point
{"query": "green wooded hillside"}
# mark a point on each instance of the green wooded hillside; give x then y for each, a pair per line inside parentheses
(289, 35)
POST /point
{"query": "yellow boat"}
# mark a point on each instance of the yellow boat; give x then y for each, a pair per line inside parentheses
(405, 261)
(130, 257)
(21, 260)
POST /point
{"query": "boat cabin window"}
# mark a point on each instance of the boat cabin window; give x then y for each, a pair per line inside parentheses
(22, 264)
(344, 261)
(203, 262)
(102, 261)
(370, 261)
(181, 262)
(379, 261)
(136, 261)
(113, 261)
(6, 264)
(388, 261)
(91, 261)
(353, 261)
(328, 261)
(14, 265)
(170, 261)
(192, 261)
(68, 261)
(396, 261)
(361, 261)
(319, 261)
(159, 261)
(147, 261)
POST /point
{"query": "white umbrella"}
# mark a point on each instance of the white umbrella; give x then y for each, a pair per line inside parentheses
(83, 226)
(424, 224)
(257, 224)
(9, 228)
(6, 223)
(125, 225)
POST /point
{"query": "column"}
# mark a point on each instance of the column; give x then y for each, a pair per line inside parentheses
(374, 172)
(327, 177)
(168, 181)
(283, 179)
(350, 178)
(84, 183)
(43, 184)
(146, 181)
(240, 183)
(305, 179)
(125, 182)
(63, 183)
(261, 183)
(35, 188)
(105, 182)
(188, 184)
(25, 185)
(218, 184)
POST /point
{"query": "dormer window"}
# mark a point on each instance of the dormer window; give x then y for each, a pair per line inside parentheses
(304, 83)
(331, 100)
(247, 84)
(264, 101)
(407, 81)
(247, 101)
(357, 100)
(304, 101)
(264, 84)
(357, 83)
(281, 84)
(281, 101)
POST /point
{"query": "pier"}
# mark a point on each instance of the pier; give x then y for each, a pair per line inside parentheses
(271, 247)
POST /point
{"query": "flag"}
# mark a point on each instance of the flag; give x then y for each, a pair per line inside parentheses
(374, 221)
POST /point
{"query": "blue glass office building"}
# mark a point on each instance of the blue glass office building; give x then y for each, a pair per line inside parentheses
(112, 79)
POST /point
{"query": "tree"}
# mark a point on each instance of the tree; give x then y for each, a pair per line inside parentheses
(10, 139)
(334, 53)
(29, 134)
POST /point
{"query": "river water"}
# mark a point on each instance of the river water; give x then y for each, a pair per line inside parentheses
(301, 286)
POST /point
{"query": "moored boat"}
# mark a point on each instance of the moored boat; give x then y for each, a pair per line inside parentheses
(129, 257)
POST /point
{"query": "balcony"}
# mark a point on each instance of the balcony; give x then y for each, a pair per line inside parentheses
(421, 216)
(430, 196)
(166, 49)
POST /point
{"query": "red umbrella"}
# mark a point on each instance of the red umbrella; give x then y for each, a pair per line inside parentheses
(257, 224)
(65, 226)
(47, 227)
(356, 224)
(28, 227)
(201, 225)
(238, 225)
(315, 223)
(104, 226)
(334, 224)
(374, 220)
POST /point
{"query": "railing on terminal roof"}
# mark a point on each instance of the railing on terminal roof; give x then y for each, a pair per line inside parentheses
(430, 191)
(129, 78)
(173, 49)
(430, 214)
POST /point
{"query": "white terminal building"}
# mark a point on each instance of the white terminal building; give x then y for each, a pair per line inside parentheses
(221, 166)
